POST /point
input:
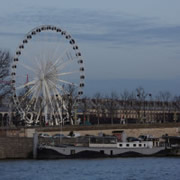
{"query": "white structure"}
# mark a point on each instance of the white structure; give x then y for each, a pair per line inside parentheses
(46, 62)
(135, 144)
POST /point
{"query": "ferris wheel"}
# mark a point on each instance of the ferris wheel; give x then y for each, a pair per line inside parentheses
(46, 63)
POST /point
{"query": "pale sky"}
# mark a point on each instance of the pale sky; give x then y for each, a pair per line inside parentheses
(125, 43)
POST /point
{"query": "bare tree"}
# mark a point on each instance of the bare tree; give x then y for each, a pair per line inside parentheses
(84, 105)
(126, 103)
(142, 104)
(112, 105)
(70, 99)
(5, 83)
(176, 106)
(97, 104)
(164, 98)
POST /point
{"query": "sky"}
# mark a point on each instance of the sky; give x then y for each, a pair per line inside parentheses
(125, 44)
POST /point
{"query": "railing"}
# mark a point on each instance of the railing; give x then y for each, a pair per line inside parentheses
(79, 141)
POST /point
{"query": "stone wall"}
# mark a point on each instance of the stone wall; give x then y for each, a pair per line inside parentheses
(156, 132)
(15, 147)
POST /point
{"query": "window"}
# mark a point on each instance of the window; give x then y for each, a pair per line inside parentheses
(134, 145)
(140, 145)
(120, 145)
(72, 151)
(127, 145)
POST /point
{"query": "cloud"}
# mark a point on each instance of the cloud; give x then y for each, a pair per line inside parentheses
(100, 26)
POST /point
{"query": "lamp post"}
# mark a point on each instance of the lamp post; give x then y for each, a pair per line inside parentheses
(142, 97)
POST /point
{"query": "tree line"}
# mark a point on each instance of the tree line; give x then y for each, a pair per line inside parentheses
(137, 106)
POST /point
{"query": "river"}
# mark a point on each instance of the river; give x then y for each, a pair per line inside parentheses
(92, 169)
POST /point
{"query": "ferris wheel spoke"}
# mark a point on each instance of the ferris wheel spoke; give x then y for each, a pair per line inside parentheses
(58, 87)
(67, 73)
(56, 104)
(66, 82)
(38, 115)
(63, 65)
(30, 92)
(27, 67)
(62, 89)
(35, 95)
(35, 104)
(59, 108)
(37, 63)
(26, 84)
(37, 99)
(56, 49)
(48, 93)
(60, 58)
(25, 96)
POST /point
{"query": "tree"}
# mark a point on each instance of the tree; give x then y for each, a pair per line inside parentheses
(142, 103)
(70, 99)
(97, 103)
(176, 107)
(84, 106)
(126, 103)
(5, 83)
(112, 105)
(164, 97)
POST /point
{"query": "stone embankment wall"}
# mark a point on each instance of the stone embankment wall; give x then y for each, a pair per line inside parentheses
(131, 130)
(15, 147)
(155, 132)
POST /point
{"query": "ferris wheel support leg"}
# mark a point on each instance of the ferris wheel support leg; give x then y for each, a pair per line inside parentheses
(71, 120)
(46, 115)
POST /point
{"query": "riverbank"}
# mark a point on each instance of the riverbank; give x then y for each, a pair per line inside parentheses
(17, 143)
(172, 129)
(156, 130)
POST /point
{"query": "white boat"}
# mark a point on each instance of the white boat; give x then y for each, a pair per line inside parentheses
(95, 147)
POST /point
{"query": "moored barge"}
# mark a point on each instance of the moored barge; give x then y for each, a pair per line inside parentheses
(96, 147)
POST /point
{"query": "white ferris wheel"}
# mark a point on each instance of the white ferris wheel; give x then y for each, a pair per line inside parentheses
(46, 63)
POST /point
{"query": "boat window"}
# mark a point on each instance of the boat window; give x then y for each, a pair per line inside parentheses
(140, 145)
(72, 151)
(134, 145)
(120, 145)
(144, 145)
(127, 145)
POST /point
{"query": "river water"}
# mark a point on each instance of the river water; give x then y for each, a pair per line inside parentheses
(92, 169)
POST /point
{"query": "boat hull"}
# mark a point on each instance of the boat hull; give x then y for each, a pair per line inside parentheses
(51, 152)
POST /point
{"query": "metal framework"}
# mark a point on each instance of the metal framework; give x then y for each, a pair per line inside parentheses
(49, 59)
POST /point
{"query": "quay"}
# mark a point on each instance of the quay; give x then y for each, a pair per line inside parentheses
(18, 143)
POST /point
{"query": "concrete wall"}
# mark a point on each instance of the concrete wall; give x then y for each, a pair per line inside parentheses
(15, 147)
